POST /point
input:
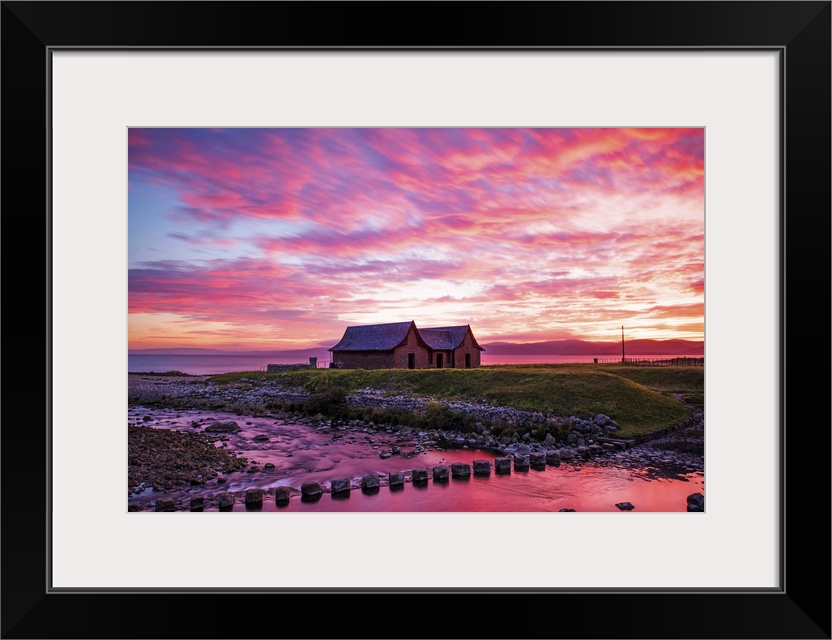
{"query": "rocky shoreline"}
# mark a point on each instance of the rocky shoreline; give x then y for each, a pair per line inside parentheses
(672, 453)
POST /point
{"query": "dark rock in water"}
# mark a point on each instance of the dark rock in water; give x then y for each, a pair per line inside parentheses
(223, 427)
(268, 466)
(537, 461)
(567, 511)
(221, 480)
(502, 466)
(696, 502)
(132, 507)
(282, 495)
(165, 505)
(396, 479)
(521, 463)
(553, 458)
(420, 475)
(254, 496)
(261, 437)
(482, 467)
(311, 491)
(226, 501)
(197, 504)
(460, 470)
(340, 485)
(384, 455)
(440, 472)
(625, 506)
(369, 483)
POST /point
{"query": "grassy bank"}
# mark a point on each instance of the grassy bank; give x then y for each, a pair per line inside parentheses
(639, 398)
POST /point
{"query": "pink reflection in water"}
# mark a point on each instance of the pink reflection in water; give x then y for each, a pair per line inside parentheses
(300, 454)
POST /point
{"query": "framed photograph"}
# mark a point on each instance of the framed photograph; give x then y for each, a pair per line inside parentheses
(104, 102)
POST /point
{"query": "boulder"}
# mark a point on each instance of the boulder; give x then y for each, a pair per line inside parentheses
(521, 463)
(254, 496)
(601, 420)
(340, 485)
(226, 501)
(396, 479)
(268, 466)
(369, 483)
(553, 458)
(420, 475)
(625, 506)
(311, 491)
(197, 504)
(282, 495)
(502, 466)
(537, 461)
(460, 470)
(482, 467)
(696, 502)
(165, 505)
(440, 473)
(223, 427)
(566, 454)
(261, 437)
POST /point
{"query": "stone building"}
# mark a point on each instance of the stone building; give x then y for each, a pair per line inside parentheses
(401, 345)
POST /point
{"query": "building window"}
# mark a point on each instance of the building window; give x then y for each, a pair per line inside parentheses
(467, 360)
(411, 360)
(438, 360)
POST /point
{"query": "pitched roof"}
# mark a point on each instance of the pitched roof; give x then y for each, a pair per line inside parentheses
(385, 337)
(373, 337)
(455, 336)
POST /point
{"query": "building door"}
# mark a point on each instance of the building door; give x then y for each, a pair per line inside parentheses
(438, 360)
(411, 360)
(467, 360)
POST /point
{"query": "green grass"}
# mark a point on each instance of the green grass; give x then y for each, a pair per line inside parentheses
(638, 398)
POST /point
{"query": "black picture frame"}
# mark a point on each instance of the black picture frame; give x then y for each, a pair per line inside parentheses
(799, 31)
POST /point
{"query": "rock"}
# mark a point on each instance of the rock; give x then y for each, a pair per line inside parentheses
(549, 440)
(482, 467)
(268, 466)
(282, 495)
(165, 505)
(340, 485)
(254, 497)
(221, 480)
(566, 454)
(369, 483)
(311, 491)
(460, 470)
(223, 427)
(696, 502)
(396, 479)
(261, 437)
(601, 420)
(553, 458)
(571, 438)
(521, 463)
(502, 466)
(538, 461)
(420, 475)
(625, 506)
(440, 472)
(567, 511)
(384, 455)
(197, 504)
(226, 501)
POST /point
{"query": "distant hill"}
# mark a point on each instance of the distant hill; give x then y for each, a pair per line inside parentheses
(551, 347)
(586, 348)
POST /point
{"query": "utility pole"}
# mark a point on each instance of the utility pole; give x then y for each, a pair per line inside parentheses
(622, 343)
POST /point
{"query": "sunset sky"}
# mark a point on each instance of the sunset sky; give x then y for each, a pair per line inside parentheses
(281, 238)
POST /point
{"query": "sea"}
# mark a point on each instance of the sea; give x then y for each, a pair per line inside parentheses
(213, 364)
